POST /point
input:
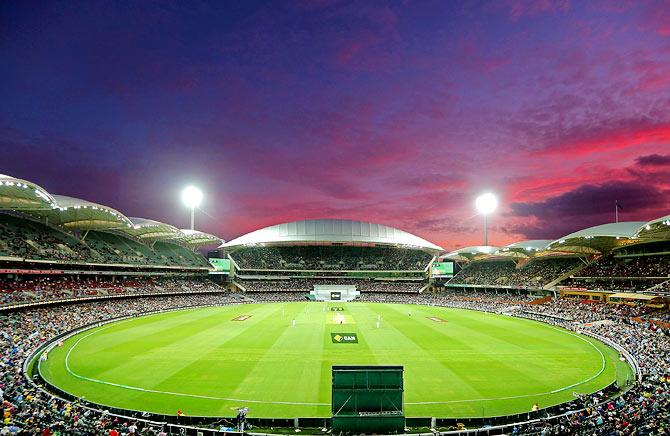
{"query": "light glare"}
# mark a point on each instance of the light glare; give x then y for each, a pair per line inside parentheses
(191, 197)
(486, 203)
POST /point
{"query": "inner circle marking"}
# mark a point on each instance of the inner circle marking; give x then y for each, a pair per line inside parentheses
(294, 403)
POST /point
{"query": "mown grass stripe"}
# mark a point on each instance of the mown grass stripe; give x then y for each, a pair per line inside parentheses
(207, 364)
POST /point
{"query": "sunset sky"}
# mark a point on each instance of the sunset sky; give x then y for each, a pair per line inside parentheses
(397, 112)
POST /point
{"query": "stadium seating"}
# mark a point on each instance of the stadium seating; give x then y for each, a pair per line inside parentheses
(307, 285)
(644, 409)
(30, 410)
(331, 258)
(33, 288)
(645, 266)
(626, 273)
(107, 259)
(504, 272)
(662, 289)
(26, 239)
(177, 255)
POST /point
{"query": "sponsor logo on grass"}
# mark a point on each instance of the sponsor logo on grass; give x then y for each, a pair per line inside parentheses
(337, 309)
(242, 318)
(344, 338)
(436, 319)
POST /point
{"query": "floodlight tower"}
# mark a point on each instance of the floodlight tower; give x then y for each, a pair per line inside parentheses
(191, 197)
(486, 203)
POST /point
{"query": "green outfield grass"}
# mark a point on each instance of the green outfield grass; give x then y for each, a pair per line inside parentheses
(205, 363)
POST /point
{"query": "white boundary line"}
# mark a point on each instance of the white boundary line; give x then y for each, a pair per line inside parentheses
(555, 391)
(291, 403)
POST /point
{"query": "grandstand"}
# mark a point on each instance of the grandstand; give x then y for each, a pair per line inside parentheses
(55, 247)
(26, 239)
(68, 265)
(611, 258)
(297, 256)
(507, 272)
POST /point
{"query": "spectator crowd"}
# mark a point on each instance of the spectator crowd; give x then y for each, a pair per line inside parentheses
(28, 410)
(331, 257)
(31, 288)
(534, 274)
(640, 266)
(305, 285)
(607, 273)
(25, 239)
(643, 410)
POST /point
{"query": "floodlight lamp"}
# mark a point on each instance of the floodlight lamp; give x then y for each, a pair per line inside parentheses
(486, 203)
(191, 197)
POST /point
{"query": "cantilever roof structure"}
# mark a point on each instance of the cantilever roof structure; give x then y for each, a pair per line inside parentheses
(150, 231)
(474, 252)
(524, 249)
(658, 229)
(75, 213)
(195, 238)
(332, 231)
(21, 195)
(599, 239)
(593, 240)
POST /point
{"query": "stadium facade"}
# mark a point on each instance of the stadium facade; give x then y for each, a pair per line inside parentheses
(304, 255)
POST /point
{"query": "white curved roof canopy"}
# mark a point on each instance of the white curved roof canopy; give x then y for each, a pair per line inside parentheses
(150, 230)
(333, 231)
(19, 194)
(197, 239)
(531, 245)
(469, 253)
(524, 248)
(598, 239)
(658, 229)
(76, 213)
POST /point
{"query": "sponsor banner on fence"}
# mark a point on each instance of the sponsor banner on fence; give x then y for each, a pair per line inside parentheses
(30, 271)
(344, 338)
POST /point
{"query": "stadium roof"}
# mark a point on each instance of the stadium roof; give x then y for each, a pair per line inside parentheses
(472, 253)
(21, 195)
(75, 213)
(593, 240)
(524, 249)
(195, 238)
(658, 229)
(599, 239)
(332, 231)
(150, 230)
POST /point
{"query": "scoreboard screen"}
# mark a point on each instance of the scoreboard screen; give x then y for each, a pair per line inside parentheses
(221, 266)
(442, 269)
(335, 295)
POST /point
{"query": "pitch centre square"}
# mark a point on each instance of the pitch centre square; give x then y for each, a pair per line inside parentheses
(436, 319)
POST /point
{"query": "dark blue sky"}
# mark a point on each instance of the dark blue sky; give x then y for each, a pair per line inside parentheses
(394, 112)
